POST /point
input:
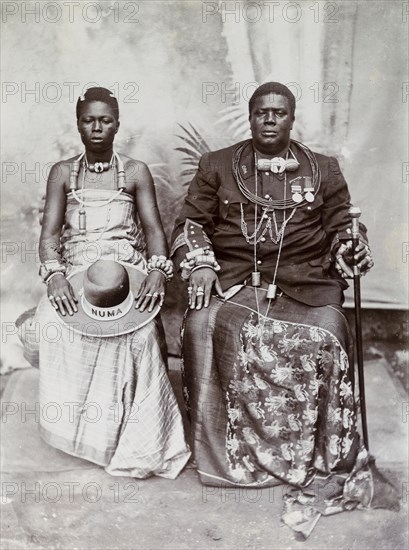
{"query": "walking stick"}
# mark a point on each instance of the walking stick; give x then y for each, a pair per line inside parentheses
(355, 213)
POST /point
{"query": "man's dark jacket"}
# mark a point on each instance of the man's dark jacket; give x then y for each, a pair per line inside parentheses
(305, 271)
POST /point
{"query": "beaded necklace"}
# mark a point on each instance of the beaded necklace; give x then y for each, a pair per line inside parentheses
(116, 161)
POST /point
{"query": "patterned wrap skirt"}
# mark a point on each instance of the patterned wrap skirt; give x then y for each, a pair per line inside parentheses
(270, 393)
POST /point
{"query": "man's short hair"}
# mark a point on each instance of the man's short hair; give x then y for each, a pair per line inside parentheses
(98, 94)
(273, 88)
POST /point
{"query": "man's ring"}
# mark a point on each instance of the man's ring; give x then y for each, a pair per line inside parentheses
(155, 294)
(64, 298)
(57, 298)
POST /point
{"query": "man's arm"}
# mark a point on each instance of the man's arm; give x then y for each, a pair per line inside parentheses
(337, 224)
(192, 251)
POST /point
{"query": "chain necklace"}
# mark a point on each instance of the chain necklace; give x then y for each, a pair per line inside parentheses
(271, 220)
(254, 239)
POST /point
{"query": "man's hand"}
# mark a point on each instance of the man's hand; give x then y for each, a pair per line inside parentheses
(61, 295)
(200, 287)
(345, 259)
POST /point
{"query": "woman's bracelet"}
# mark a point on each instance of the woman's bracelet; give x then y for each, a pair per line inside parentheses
(161, 264)
(160, 271)
(53, 275)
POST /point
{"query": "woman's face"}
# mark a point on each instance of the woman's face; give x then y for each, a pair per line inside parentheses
(97, 126)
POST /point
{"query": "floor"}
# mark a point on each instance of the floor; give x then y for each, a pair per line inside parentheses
(53, 501)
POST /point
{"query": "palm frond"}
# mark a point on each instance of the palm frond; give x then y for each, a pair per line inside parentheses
(194, 147)
(160, 174)
(236, 121)
(194, 138)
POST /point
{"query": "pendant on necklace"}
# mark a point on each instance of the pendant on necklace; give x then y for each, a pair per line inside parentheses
(271, 291)
(256, 278)
(99, 167)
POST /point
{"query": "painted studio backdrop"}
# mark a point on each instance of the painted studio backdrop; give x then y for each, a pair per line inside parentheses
(183, 72)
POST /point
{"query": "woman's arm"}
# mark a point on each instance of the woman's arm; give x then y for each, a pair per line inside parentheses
(59, 290)
(153, 288)
(54, 213)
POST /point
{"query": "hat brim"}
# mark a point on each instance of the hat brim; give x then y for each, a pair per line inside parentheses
(133, 320)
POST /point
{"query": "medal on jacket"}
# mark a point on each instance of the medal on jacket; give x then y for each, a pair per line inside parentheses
(308, 189)
(296, 190)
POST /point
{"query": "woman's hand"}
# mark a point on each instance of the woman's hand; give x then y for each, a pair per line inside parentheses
(345, 258)
(152, 291)
(200, 287)
(61, 295)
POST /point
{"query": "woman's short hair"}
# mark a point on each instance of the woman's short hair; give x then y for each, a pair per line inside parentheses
(98, 94)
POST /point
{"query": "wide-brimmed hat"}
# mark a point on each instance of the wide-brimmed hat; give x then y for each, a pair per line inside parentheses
(106, 293)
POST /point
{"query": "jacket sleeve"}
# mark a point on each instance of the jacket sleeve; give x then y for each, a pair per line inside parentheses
(336, 219)
(200, 207)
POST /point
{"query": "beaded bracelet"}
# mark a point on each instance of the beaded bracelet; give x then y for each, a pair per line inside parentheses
(207, 259)
(202, 267)
(161, 264)
(53, 275)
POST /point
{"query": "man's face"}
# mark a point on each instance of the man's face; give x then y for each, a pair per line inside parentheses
(97, 126)
(271, 122)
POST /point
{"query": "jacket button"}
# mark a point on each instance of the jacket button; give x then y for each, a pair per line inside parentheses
(258, 262)
(263, 239)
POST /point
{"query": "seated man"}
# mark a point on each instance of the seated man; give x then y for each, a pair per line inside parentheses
(268, 362)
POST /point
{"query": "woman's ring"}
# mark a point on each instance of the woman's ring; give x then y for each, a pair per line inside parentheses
(150, 295)
(155, 294)
(200, 289)
(51, 297)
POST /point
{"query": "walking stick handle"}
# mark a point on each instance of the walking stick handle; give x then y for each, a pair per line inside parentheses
(355, 213)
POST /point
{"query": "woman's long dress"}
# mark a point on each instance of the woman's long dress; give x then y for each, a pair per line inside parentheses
(106, 400)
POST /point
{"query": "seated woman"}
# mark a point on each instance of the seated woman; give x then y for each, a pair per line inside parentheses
(117, 407)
